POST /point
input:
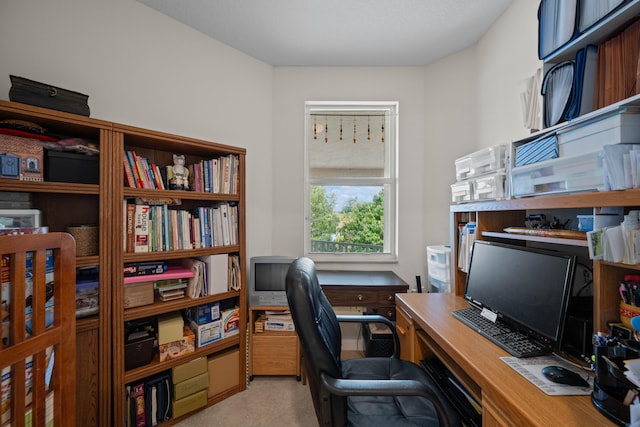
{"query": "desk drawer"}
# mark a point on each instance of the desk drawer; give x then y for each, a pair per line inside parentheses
(339, 296)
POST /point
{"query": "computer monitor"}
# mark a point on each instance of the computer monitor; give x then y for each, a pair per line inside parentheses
(526, 287)
(267, 280)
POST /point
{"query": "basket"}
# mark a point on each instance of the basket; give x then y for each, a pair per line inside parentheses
(86, 237)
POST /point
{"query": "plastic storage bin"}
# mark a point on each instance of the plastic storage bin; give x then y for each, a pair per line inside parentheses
(489, 187)
(619, 127)
(561, 175)
(462, 192)
(483, 161)
(439, 268)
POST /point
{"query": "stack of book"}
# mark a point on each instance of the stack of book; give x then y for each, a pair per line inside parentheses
(168, 285)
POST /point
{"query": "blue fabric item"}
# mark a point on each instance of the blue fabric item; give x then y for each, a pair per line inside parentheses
(536, 151)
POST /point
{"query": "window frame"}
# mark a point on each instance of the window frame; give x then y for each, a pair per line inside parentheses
(389, 181)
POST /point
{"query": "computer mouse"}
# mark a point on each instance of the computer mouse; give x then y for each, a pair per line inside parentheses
(560, 375)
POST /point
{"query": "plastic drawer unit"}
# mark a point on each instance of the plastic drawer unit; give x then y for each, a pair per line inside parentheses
(620, 127)
(481, 162)
(462, 192)
(438, 262)
(489, 187)
(562, 175)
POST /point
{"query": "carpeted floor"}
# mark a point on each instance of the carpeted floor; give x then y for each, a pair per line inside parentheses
(268, 401)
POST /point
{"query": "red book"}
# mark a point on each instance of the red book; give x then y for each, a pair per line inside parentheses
(128, 173)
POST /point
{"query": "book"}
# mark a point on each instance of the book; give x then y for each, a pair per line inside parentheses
(171, 272)
(216, 273)
(138, 412)
(144, 268)
(141, 228)
(128, 173)
(134, 169)
(130, 227)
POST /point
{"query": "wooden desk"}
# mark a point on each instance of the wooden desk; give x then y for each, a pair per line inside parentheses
(371, 289)
(508, 399)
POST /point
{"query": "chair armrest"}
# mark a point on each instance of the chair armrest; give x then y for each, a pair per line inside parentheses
(374, 318)
(343, 387)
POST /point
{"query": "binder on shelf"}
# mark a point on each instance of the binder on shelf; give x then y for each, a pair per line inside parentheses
(568, 88)
(556, 25)
(590, 12)
(216, 273)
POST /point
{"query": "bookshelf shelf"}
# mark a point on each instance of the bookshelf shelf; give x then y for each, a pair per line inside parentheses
(175, 305)
(101, 376)
(156, 366)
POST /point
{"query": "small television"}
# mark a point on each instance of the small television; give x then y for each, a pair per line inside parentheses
(528, 288)
(267, 280)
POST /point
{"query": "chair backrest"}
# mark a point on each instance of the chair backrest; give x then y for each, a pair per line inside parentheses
(320, 338)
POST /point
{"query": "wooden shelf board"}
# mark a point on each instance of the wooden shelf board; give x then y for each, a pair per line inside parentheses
(528, 238)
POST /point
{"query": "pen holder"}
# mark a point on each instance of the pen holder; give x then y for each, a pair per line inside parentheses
(628, 311)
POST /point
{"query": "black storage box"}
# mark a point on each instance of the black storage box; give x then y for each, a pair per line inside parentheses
(44, 95)
(377, 344)
(138, 352)
(61, 166)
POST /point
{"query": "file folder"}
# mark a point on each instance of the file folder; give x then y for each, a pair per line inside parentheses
(590, 12)
(568, 88)
(557, 92)
(556, 25)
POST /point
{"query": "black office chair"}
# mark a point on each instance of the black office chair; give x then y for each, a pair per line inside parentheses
(370, 392)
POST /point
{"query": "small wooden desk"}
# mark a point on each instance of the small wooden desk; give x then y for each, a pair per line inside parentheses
(371, 289)
(426, 325)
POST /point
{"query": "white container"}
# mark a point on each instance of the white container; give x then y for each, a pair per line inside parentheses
(462, 192)
(439, 262)
(489, 187)
(620, 127)
(481, 162)
(561, 175)
(438, 286)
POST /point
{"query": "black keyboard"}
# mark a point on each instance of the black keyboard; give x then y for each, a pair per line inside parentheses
(510, 340)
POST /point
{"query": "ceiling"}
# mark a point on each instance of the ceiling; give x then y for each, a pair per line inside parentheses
(339, 32)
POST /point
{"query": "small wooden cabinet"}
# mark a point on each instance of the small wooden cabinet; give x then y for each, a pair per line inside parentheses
(271, 352)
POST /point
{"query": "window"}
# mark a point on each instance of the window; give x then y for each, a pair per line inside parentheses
(351, 182)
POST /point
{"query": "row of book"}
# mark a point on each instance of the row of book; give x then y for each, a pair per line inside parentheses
(218, 175)
(149, 402)
(154, 228)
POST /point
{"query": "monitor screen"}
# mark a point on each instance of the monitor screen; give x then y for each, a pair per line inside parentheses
(270, 276)
(525, 286)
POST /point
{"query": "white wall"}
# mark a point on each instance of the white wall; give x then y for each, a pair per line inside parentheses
(507, 56)
(142, 68)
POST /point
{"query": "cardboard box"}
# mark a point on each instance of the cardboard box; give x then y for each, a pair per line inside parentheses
(170, 327)
(137, 294)
(205, 313)
(224, 371)
(189, 370)
(189, 403)
(190, 386)
(21, 158)
(175, 349)
(279, 325)
(230, 322)
(208, 333)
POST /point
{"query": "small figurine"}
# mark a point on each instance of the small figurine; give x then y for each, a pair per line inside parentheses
(178, 174)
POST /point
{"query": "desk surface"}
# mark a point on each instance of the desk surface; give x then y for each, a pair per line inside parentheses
(359, 278)
(522, 402)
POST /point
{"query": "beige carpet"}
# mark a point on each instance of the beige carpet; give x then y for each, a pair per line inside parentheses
(268, 401)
